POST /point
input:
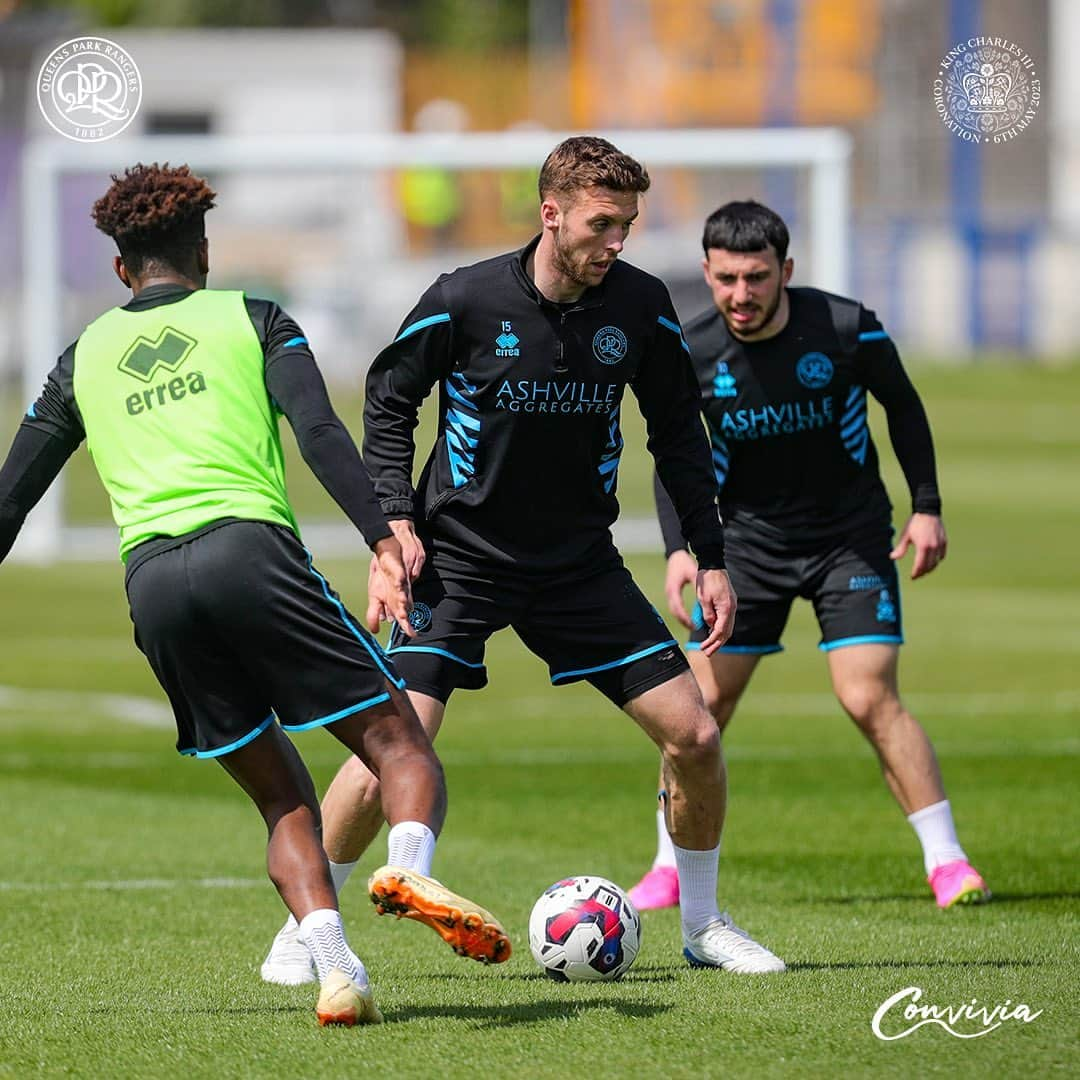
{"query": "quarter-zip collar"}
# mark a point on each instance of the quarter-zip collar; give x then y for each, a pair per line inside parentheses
(592, 297)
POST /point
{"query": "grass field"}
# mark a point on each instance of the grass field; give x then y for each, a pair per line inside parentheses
(134, 910)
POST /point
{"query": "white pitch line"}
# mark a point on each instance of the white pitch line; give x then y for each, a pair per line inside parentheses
(145, 712)
(134, 883)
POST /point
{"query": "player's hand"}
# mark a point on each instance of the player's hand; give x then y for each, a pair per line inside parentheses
(412, 550)
(681, 571)
(717, 600)
(926, 533)
(389, 592)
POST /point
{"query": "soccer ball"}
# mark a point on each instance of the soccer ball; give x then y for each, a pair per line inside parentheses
(584, 929)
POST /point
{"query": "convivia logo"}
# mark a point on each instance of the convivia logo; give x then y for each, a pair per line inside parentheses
(144, 359)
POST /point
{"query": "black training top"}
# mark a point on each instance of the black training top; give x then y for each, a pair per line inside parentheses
(788, 421)
(523, 472)
(53, 428)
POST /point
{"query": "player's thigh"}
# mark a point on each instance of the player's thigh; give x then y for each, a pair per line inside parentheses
(722, 677)
(856, 590)
(674, 716)
(601, 628)
(315, 660)
(217, 703)
(864, 678)
(455, 610)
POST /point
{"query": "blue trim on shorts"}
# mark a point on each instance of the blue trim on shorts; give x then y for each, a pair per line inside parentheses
(376, 654)
(431, 649)
(735, 650)
(615, 663)
(862, 639)
(242, 741)
(340, 715)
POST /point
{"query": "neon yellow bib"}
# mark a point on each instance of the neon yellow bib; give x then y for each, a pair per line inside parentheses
(178, 420)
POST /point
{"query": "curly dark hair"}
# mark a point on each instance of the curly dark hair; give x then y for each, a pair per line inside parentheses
(155, 214)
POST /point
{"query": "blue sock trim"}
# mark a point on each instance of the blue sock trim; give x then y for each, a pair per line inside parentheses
(615, 663)
(340, 715)
(221, 751)
(864, 639)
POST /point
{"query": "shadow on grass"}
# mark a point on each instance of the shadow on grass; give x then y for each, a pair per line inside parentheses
(922, 898)
(533, 1012)
(871, 965)
(640, 973)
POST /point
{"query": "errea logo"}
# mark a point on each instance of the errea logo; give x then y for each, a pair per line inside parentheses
(506, 344)
(145, 358)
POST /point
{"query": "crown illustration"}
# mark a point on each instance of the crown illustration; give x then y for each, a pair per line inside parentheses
(987, 90)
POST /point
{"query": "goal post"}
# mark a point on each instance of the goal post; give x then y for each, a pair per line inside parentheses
(824, 154)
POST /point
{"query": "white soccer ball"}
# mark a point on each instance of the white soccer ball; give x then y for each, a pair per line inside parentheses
(584, 929)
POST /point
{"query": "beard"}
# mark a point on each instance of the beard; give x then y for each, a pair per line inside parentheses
(766, 317)
(563, 261)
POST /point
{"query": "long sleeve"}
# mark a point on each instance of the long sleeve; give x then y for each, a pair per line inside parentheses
(49, 434)
(909, 429)
(670, 529)
(401, 377)
(670, 400)
(296, 385)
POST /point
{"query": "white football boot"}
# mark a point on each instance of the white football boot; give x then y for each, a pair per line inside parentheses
(722, 944)
(289, 961)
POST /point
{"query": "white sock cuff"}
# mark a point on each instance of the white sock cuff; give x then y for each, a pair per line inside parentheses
(929, 811)
(317, 919)
(411, 845)
(339, 873)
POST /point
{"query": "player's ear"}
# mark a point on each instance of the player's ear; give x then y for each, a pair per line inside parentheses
(786, 269)
(705, 270)
(121, 270)
(550, 213)
(204, 256)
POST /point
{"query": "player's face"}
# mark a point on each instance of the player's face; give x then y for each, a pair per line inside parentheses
(748, 289)
(589, 228)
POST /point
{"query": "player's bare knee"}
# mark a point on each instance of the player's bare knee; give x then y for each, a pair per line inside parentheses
(721, 706)
(695, 747)
(872, 705)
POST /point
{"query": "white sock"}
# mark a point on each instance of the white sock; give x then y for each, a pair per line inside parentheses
(934, 827)
(321, 931)
(339, 874)
(665, 849)
(698, 871)
(411, 845)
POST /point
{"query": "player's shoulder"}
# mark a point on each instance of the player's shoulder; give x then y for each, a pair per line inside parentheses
(831, 308)
(627, 279)
(477, 281)
(706, 331)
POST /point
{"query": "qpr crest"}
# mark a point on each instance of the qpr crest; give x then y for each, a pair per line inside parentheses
(814, 370)
(420, 617)
(609, 345)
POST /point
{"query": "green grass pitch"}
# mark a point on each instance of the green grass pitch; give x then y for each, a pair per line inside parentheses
(134, 909)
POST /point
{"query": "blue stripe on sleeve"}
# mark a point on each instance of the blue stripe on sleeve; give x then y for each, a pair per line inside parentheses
(874, 335)
(431, 320)
(295, 341)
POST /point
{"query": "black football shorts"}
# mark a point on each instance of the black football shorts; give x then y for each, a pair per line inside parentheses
(239, 626)
(850, 580)
(593, 624)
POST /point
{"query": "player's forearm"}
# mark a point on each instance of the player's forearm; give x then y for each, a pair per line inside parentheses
(909, 432)
(332, 456)
(670, 529)
(32, 464)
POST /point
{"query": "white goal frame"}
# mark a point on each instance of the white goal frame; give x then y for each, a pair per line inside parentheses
(824, 152)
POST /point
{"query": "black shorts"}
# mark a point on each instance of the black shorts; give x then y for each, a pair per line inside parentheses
(850, 580)
(595, 625)
(239, 626)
